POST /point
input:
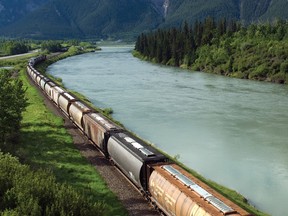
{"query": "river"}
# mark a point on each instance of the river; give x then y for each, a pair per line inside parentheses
(232, 131)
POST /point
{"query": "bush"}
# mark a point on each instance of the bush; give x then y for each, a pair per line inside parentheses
(27, 192)
(171, 62)
(280, 78)
(246, 46)
(259, 72)
(51, 46)
(284, 67)
(220, 56)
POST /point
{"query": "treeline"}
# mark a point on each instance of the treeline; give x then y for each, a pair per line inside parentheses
(224, 47)
(178, 46)
(13, 47)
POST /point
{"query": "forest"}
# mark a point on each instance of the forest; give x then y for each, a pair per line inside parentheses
(257, 51)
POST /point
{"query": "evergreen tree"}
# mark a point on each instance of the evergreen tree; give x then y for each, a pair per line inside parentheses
(224, 47)
(12, 104)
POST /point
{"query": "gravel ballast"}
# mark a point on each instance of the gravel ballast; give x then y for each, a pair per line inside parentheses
(132, 200)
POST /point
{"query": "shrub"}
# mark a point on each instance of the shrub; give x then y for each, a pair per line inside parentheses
(51, 46)
(284, 67)
(280, 78)
(171, 62)
(259, 73)
(246, 46)
(27, 192)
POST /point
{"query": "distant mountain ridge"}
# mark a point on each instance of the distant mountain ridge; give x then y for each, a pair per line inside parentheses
(123, 18)
(11, 11)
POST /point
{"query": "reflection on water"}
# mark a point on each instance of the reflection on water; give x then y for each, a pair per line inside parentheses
(231, 131)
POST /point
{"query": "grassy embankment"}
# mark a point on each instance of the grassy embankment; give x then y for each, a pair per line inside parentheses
(46, 144)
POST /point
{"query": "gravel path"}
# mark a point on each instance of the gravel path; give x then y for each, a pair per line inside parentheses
(127, 194)
(15, 56)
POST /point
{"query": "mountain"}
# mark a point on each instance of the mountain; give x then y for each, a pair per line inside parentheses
(123, 18)
(13, 10)
(247, 11)
(190, 11)
(88, 18)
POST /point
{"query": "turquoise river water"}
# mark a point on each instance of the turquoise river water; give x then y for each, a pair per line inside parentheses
(232, 131)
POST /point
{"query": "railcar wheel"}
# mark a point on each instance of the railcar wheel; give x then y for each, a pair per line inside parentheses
(112, 162)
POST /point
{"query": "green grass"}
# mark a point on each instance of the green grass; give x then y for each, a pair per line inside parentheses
(45, 143)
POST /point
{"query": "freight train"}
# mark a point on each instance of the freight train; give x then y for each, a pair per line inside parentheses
(166, 185)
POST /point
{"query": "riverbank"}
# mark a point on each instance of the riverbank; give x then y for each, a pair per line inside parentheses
(257, 52)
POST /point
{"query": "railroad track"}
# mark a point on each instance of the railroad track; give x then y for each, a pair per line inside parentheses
(173, 190)
(115, 179)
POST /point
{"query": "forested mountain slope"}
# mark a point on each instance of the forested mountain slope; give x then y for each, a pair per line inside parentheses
(245, 10)
(123, 18)
(71, 18)
(13, 10)
(179, 11)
